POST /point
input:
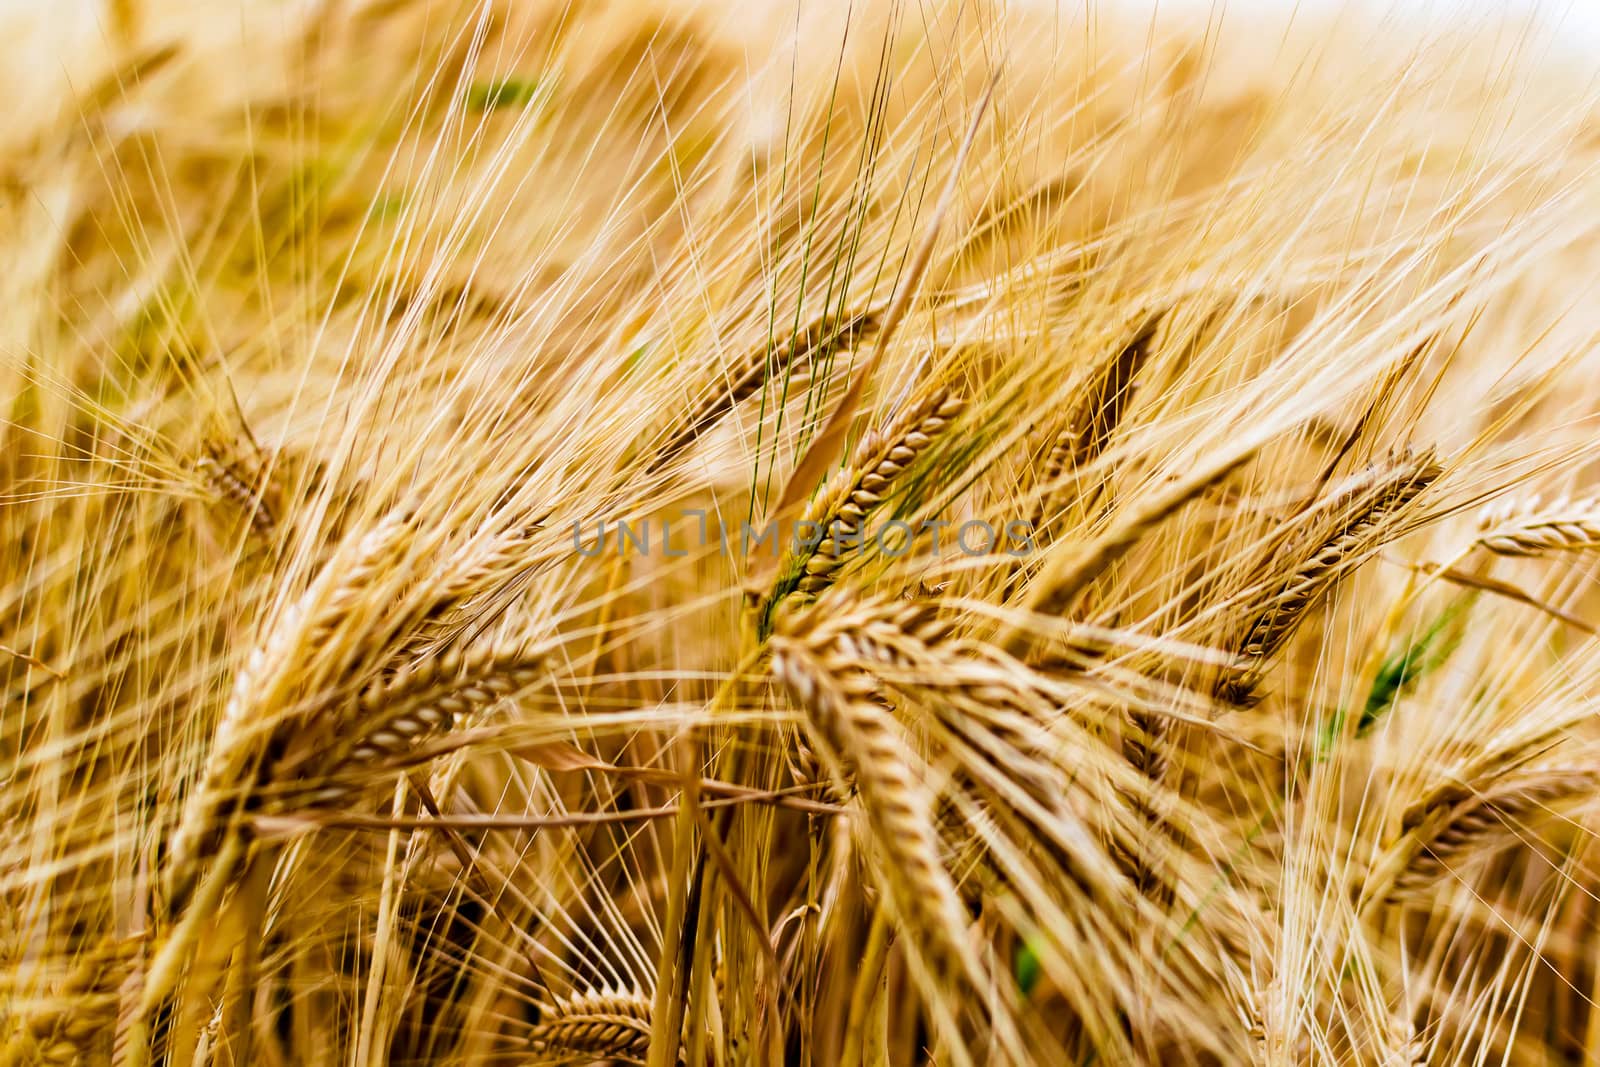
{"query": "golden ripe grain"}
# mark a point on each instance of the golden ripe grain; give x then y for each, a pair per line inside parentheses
(411, 654)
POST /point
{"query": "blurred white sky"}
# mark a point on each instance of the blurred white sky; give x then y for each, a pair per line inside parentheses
(1567, 31)
(1580, 18)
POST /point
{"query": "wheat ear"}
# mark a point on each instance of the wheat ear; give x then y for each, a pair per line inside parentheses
(485, 564)
(84, 1011)
(857, 733)
(1001, 710)
(248, 491)
(1406, 1047)
(397, 714)
(1359, 514)
(840, 512)
(1095, 417)
(902, 642)
(1004, 722)
(260, 686)
(596, 1024)
(1529, 529)
(1443, 837)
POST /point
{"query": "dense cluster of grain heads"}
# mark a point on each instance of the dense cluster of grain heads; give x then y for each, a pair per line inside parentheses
(724, 533)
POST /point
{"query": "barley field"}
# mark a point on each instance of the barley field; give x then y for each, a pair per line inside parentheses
(796, 533)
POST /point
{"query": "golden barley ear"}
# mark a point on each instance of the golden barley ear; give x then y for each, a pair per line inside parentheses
(595, 1024)
(247, 488)
(399, 713)
(1440, 837)
(1103, 398)
(840, 514)
(1356, 518)
(857, 733)
(829, 442)
(266, 681)
(1532, 528)
(78, 1018)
